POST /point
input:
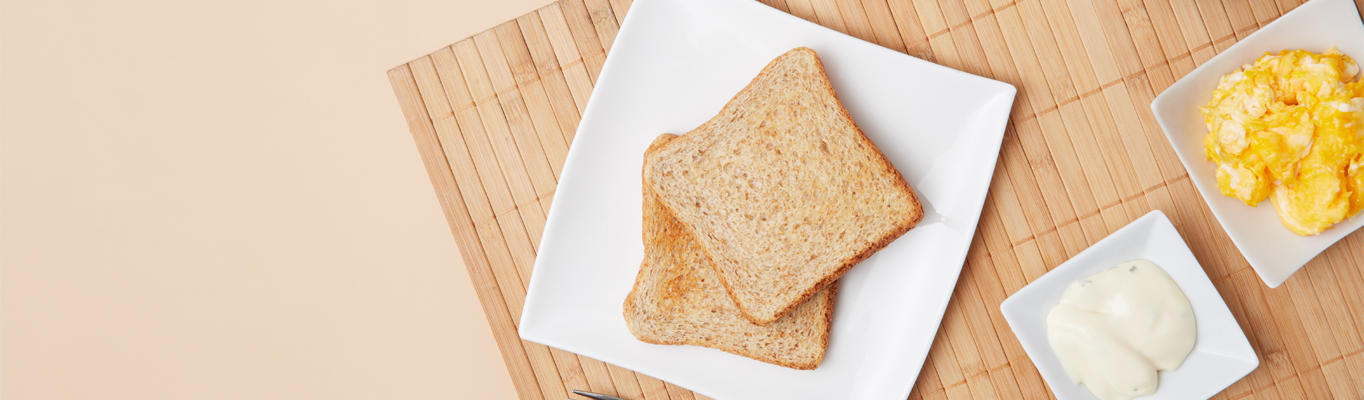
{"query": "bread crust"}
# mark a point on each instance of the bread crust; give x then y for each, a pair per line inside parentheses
(901, 225)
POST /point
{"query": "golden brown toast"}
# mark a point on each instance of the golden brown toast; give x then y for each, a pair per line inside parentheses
(678, 299)
(781, 189)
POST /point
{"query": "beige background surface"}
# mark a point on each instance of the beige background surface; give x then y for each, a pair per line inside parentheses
(223, 201)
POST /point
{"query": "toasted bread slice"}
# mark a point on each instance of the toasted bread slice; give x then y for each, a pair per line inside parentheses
(781, 188)
(678, 299)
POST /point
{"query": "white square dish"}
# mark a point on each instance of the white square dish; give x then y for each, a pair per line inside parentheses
(1221, 353)
(1274, 252)
(674, 64)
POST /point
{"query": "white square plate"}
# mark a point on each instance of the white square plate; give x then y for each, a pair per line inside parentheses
(673, 66)
(1221, 353)
(1271, 249)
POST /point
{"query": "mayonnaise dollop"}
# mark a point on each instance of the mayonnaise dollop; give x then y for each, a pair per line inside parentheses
(1114, 329)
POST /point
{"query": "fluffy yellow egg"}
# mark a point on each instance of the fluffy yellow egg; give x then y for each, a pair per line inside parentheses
(1290, 128)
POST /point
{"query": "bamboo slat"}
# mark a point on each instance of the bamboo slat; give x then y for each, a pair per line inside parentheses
(494, 115)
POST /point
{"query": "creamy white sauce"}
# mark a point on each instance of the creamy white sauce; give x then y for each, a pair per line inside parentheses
(1114, 329)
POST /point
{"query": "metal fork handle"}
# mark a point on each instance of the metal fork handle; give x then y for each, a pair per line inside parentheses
(594, 396)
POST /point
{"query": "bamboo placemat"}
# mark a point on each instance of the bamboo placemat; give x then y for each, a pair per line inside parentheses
(493, 117)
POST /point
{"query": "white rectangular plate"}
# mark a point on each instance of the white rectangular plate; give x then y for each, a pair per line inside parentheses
(1221, 353)
(674, 64)
(1273, 251)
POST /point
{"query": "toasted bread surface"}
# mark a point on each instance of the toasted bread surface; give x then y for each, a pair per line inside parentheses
(678, 299)
(781, 189)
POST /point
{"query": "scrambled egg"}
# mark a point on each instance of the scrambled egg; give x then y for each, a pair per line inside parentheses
(1290, 128)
